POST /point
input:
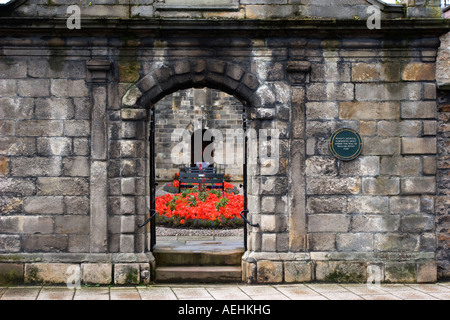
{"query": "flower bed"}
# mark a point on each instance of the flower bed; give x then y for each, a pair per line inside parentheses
(193, 208)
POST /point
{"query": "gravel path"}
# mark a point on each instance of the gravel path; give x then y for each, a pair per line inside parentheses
(161, 231)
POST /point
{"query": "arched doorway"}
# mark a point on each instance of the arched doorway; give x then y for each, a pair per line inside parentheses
(258, 102)
(196, 248)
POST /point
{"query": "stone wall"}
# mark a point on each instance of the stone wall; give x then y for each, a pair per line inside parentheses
(74, 151)
(443, 165)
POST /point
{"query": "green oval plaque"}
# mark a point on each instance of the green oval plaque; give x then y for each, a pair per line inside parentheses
(346, 144)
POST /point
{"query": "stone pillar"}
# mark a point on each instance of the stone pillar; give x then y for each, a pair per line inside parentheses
(297, 71)
(98, 175)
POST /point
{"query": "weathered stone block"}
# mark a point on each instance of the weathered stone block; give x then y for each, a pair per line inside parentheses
(269, 242)
(417, 223)
(77, 128)
(39, 128)
(418, 110)
(418, 185)
(7, 128)
(321, 110)
(368, 204)
(271, 204)
(75, 166)
(359, 242)
(369, 110)
(127, 224)
(402, 272)
(430, 128)
(403, 128)
(395, 242)
(400, 166)
(419, 72)
(16, 108)
(54, 146)
(321, 166)
(341, 271)
(44, 242)
(63, 186)
(127, 273)
(36, 166)
(327, 204)
(69, 88)
(76, 205)
(298, 271)
(77, 224)
(427, 272)
(54, 108)
(381, 146)
(364, 72)
(46, 273)
(9, 244)
(419, 145)
(18, 186)
(388, 91)
(375, 223)
(11, 273)
(126, 242)
(96, 273)
(43, 205)
(381, 186)
(405, 204)
(328, 223)
(269, 271)
(33, 88)
(348, 185)
(13, 146)
(362, 166)
(322, 241)
(127, 205)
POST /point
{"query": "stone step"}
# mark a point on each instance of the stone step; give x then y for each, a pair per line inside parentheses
(199, 274)
(199, 253)
(192, 258)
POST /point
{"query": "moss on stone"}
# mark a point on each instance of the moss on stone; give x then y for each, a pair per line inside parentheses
(339, 276)
(12, 277)
(131, 276)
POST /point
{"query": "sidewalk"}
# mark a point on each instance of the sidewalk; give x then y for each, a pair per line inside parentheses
(310, 291)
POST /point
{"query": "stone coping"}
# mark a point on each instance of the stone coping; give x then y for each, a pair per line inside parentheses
(77, 257)
(248, 255)
(339, 256)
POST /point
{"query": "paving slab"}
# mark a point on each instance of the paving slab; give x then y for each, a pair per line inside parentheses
(56, 293)
(124, 294)
(157, 293)
(92, 293)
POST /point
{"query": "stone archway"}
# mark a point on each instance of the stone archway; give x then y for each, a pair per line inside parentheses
(273, 204)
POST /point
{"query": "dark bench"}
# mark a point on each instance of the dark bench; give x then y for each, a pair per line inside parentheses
(210, 180)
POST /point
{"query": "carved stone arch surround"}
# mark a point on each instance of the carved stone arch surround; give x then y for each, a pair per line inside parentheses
(272, 104)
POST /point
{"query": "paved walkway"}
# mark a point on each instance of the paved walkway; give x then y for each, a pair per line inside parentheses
(310, 291)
